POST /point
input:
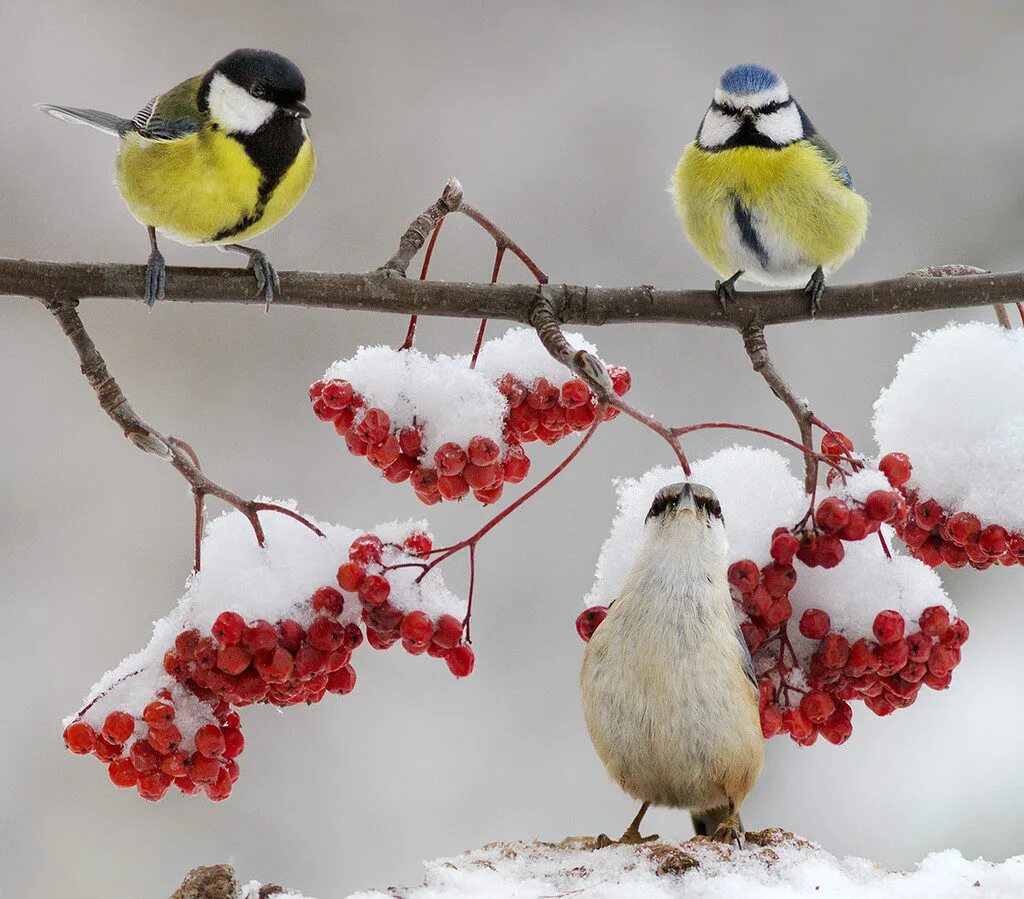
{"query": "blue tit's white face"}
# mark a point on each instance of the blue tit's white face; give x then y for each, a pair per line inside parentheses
(751, 108)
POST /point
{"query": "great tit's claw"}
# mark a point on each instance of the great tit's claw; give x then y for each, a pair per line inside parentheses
(815, 289)
(725, 291)
(156, 278)
(267, 280)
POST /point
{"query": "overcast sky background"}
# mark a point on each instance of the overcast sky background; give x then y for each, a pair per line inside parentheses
(563, 122)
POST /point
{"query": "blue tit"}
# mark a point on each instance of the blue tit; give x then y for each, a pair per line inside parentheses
(762, 195)
(220, 158)
(668, 688)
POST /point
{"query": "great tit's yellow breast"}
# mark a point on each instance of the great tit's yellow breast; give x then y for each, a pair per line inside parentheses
(793, 192)
(191, 188)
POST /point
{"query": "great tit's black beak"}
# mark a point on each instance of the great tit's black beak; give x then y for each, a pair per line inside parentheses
(298, 109)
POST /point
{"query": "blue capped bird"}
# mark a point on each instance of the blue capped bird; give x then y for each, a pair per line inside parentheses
(762, 195)
(220, 158)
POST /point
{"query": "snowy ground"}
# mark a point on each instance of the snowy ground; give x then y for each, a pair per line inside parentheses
(775, 865)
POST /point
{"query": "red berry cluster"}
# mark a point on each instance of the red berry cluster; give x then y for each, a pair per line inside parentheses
(936, 536)
(482, 467)
(365, 574)
(150, 753)
(546, 412)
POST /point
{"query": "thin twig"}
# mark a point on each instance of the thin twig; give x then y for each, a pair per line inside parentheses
(420, 228)
(180, 455)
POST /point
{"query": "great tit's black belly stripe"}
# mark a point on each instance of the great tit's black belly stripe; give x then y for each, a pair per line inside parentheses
(748, 233)
(272, 148)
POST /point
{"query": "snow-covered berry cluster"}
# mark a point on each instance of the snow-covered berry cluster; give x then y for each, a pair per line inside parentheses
(823, 610)
(450, 429)
(276, 626)
(948, 430)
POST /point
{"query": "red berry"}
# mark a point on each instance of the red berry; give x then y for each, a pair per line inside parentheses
(784, 547)
(956, 634)
(144, 757)
(771, 721)
(586, 622)
(118, 727)
(353, 636)
(942, 659)
(337, 394)
(326, 634)
(881, 505)
(757, 601)
(512, 389)
(460, 660)
(859, 526)
(896, 467)
(837, 729)
(417, 627)
(374, 426)
(424, 480)
(934, 620)
(366, 550)
(797, 724)
(753, 636)
(833, 651)
(276, 666)
(928, 514)
(817, 706)
(80, 738)
(450, 459)
(833, 514)
(374, 589)
(744, 575)
(482, 477)
(448, 631)
(260, 636)
(523, 420)
(575, 393)
(342, 681)
(483, 451)
(350, 576)
(309, 661)
(892, 657)
(228, 628)
(777, 613)
(544, 395)
(185, 644)
(315, 389)
(779, 579)
(210, 741)
(516, 465)
(234, 742)
(452, 487)
(233, 659)
(326, 600)
(122, 773)
(384, 454)
(164, 738)
(343, 422)
(322, 411)
(579, 418)
(993, 540)
(814, 624)
(830, 551)
(418, 544)
(863, 658)
(622, 380)
(291, 634)
(836, 444)
(888, 626)
(158, 713)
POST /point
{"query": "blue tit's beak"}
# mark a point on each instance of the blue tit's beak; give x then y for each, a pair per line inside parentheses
(685, 500)
(298, 109)
(747, 114)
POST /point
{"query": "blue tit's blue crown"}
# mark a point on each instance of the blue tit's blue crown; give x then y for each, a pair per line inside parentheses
(749, 79)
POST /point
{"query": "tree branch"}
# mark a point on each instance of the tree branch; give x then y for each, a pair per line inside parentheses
(180, 455)
(572, 304)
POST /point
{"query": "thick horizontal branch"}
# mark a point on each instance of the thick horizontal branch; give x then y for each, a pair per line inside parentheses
(384, 292)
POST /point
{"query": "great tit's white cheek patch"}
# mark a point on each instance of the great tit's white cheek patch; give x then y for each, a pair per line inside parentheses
(717, 128)
(235, 109)
(782, 127)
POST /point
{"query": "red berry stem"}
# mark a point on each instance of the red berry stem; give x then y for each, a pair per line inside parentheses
(410, 336)
(499, 252)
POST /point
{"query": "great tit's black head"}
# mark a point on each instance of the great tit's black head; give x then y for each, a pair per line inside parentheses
(686, 498)
(247, 86)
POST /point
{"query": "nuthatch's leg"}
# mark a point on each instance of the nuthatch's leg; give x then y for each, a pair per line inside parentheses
(726, 290)
(632, 834)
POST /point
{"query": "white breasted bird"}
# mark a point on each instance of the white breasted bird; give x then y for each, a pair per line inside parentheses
(762, 195)
(217, 159)
(669, 694)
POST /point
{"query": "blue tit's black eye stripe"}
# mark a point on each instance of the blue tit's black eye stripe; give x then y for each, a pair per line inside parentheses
(767, 109)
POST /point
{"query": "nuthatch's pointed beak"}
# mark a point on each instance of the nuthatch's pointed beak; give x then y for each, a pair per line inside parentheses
(686, 500)
(747, 113)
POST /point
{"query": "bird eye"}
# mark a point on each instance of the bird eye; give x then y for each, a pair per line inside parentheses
(257, 90)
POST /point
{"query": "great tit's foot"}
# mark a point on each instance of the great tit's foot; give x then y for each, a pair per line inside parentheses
(267, 281)
(156, 277)
(814, 289)
(726, 291)
(730, 831)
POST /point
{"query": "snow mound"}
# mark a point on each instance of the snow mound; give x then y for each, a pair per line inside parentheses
(956, 408)
(519, 352)
(774, 866)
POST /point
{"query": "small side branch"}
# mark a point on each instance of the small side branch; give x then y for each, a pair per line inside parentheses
(179, 454)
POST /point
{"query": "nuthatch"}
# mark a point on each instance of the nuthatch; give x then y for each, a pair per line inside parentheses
(669, 693)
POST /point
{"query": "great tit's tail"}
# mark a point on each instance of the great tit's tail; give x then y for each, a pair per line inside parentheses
(706, 823)
(101, 121)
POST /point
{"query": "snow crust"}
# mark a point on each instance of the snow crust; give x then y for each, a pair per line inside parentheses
(519, 351)
(271, 583)
(759, 493)
(784, 868)
(956, 407)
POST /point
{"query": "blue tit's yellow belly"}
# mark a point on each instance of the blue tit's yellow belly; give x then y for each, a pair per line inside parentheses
(205, 188)
(776, 214)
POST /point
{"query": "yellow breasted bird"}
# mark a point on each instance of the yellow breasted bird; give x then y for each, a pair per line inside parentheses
(762, 194)
(218, 159)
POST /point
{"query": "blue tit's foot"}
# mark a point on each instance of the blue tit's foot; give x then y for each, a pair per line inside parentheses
(814, 289)
(730, 831)
(267, 280)
(726, 291)
(156, 277)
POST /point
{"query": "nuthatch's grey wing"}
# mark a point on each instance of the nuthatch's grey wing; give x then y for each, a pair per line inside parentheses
(172, 115)
(826, 149)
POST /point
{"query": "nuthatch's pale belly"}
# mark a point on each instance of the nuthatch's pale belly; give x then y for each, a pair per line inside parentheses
(668, 706)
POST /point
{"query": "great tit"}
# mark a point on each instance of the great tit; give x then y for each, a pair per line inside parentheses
(762, 194)
(217, 159)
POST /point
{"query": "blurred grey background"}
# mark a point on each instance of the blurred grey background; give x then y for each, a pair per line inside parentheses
(563, 121)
